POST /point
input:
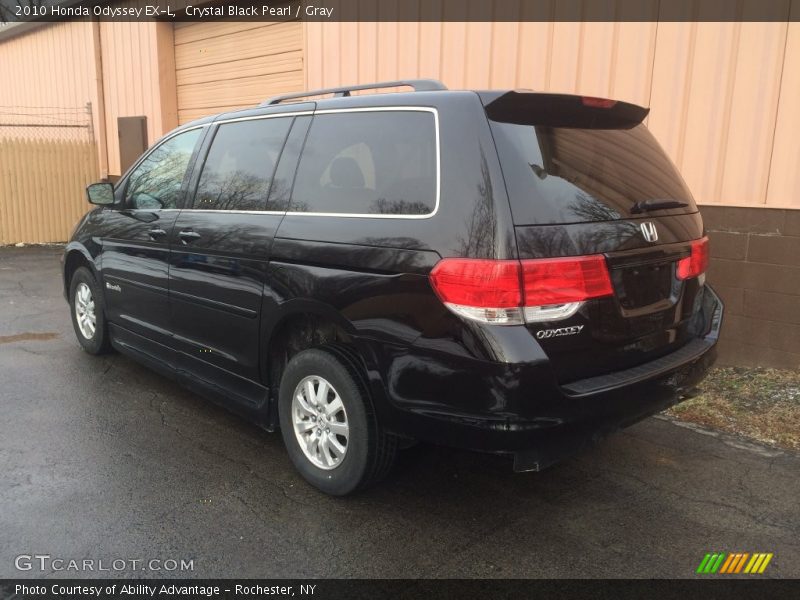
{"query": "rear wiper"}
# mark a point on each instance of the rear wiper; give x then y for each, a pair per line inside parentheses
(648, 205)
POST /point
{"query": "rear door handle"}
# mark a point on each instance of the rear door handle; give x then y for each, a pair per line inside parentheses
(188, 236)
(156, 233)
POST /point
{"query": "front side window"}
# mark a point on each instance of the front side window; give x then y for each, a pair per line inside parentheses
(381, 163)
(156, 182)
(240, 165)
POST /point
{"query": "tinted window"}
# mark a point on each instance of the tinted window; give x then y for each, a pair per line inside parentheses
(281, 188)
(156, 182)
(239, 167)
(569, 175)
(368, 163)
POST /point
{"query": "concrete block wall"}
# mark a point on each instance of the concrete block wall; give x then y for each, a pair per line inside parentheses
(755, 267)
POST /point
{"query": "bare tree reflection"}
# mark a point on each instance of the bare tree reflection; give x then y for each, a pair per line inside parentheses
(611, 236)
(382, 206)
(232, 190)
(156, 183)
(588, 208)
(481, 225)
(407, 243)
(279, 195)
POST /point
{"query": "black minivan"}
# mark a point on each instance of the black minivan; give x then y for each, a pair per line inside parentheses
(504, 271)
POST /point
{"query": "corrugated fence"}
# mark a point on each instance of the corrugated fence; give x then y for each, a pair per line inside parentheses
(42, 187)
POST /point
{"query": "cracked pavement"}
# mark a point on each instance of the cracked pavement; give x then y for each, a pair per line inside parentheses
(101, 458)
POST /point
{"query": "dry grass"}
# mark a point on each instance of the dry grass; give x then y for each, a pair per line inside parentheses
(762, 404)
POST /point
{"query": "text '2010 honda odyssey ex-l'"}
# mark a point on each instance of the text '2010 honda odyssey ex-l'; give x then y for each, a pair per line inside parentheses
(504, 271)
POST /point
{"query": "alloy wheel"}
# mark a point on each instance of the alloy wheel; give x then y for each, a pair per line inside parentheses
(84, 311)
(320, 422)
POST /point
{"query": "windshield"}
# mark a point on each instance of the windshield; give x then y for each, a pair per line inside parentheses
(571, 175)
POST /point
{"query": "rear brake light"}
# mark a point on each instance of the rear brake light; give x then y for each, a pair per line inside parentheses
(511, 292)
(696, 263)
(484, 290)
(563, 280)
(598, 102)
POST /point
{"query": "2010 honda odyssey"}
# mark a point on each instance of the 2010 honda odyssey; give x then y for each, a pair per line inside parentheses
(504, 271)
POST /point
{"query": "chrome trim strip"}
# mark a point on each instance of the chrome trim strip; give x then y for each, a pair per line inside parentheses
(432, 110)
(299, 113)
(163, 139)
(429, 109)
(172, 134)
(235, 212)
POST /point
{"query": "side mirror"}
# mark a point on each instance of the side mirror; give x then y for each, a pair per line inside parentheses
(101, 194)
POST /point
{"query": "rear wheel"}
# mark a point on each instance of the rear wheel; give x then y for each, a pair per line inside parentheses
(328, 425)
(88, 315)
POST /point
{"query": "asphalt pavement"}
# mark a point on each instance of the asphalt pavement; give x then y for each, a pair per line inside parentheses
(102, 459)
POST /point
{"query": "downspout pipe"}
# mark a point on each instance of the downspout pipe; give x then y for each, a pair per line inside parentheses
(100, 108)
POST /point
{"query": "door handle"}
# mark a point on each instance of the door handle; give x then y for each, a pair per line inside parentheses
(156, 233)
(188, 236)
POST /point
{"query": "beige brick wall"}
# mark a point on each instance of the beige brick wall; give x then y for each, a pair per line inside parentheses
(755, 267)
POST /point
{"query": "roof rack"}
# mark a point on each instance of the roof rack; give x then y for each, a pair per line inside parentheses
(419, 85)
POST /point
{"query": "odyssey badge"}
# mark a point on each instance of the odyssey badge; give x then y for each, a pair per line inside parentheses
(544, 334)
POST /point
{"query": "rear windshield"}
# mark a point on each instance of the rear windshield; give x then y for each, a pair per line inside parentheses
(571, 175)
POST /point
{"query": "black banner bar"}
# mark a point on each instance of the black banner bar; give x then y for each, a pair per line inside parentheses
(354, 589)
(21, 11)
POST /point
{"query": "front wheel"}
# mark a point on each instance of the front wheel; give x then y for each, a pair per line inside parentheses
(88, 316)
(328, 425)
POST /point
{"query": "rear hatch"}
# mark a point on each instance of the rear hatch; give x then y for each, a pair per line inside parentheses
(586, 178)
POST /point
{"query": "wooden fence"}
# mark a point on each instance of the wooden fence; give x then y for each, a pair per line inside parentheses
(42, 186)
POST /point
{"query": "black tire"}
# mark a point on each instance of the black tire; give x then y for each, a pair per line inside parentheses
(100, 341)
(370, 452)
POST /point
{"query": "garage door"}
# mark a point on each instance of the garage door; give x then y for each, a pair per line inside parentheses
(223, 66)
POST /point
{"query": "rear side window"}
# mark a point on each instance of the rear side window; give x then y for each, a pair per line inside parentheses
(573, 175)
(240, 164)
(371, 163)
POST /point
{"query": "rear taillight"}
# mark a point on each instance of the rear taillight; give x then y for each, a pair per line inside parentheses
(484, 290)
(511, 292)
(696, 263)
(562, 280)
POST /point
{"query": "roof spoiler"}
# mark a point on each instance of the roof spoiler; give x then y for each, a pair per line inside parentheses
(561, 110)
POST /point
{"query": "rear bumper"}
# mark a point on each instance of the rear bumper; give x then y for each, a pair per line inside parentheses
(608, 411)
(519, 408)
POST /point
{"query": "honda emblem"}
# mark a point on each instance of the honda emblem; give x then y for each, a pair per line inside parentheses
(649, 231)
